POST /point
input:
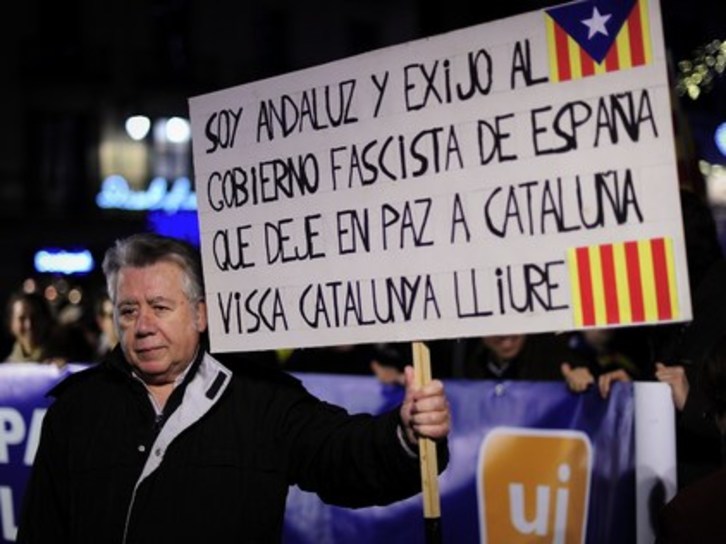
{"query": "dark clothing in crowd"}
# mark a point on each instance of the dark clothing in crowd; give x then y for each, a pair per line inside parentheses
(345, 359)
(696, 513)
(540, 359)
(701, 237)
(624, 350)
(215, 466)
(698, 441)
(709, 315)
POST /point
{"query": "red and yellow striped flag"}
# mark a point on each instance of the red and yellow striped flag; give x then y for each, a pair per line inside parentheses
(624, 282)
(571, 57)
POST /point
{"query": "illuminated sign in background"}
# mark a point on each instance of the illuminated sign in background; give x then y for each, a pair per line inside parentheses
(63, 261)
(146, 165)
(116, 193)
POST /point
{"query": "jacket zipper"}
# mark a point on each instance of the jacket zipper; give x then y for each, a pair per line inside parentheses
(158, 422)
(128, 515)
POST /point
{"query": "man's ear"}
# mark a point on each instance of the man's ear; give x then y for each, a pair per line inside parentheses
(201, 316)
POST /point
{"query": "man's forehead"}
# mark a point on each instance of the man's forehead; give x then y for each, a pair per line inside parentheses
(157, 269)
(131, 298)
(160, 279)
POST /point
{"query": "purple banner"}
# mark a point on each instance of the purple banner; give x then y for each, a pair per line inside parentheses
(527, 460)
(545, 411)
(22, 407)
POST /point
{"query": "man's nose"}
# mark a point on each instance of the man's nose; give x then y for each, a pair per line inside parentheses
(146, 322)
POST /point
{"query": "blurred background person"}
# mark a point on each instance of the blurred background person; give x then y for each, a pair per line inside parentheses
(695, 514)
(611, 354)
(103, 315)
(388, 361)
(699, 445)
(534, 357)
(31, 324)
(608, 349)
(704, 256)
(69, 343)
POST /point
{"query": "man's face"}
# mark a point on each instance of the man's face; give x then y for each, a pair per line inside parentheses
(504, 348)
(158, 327)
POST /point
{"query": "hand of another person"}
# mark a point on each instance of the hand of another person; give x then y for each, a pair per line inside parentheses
(425, 410)
(675, 377)
(578, 379)
(604, 381)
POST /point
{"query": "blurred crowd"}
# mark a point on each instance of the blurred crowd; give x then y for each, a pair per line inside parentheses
(42, 332)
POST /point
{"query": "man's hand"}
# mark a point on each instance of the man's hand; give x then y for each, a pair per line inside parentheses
(578, 379)
(675, 377)
(425, 410)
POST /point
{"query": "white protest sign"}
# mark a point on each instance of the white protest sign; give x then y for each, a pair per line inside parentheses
(491, 180)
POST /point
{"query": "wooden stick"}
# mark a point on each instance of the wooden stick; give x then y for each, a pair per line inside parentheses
(427, 453)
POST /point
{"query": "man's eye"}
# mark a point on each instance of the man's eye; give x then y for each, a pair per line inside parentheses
(126, 312)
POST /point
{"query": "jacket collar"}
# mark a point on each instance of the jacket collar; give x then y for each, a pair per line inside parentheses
(117, 363)
(204, 388)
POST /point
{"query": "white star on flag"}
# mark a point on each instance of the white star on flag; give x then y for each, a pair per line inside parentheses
(596, 23)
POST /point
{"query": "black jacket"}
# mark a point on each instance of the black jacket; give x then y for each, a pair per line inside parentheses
(217, 469)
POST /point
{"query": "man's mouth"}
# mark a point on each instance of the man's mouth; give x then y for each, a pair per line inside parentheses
(148, 353)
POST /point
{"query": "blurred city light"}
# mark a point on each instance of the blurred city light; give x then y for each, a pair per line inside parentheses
(178, 130)
(50, 293)
(30, 285)
(63, 262)
(720, 137)
(75, 296)
(137, 127)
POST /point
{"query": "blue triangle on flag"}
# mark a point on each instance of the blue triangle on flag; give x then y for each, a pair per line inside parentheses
(593, 24)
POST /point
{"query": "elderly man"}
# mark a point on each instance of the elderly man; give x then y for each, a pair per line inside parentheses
(164, 443)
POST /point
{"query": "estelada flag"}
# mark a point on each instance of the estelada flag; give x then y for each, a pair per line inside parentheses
(597, 36)
(623, 282)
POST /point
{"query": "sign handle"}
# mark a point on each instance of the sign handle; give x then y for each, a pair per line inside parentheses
(427, 454)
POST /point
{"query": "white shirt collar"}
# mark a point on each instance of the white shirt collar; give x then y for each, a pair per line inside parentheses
(179, 379)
